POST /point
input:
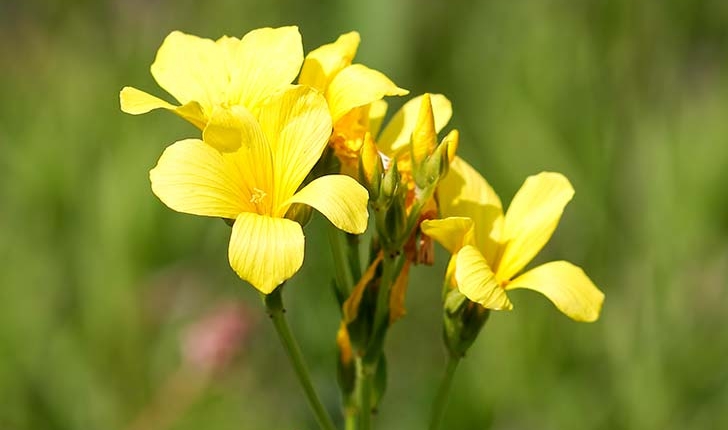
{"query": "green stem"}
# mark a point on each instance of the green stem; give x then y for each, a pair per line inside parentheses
(438, 408)
(391, 268)
(351, 420)
(274, 306)
(366, 378)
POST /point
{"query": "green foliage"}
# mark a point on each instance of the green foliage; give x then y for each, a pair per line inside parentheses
(99, 280)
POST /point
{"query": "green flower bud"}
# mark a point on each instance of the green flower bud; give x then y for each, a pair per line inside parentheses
(463, 321)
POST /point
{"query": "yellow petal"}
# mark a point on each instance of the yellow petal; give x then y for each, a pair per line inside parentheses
(531, 219)
(350, 308)
(465, 193)
(265, 251)
(424, 136)
(567, 286)
(136, 102)
(399, 130)
(192, 68)
(324, 62)
(358, 85)
(453, 233)
(377, 111)
(297, 124)
(192, 177)
(477, 281)
(229, 128)
(266, 60)
(339, 198)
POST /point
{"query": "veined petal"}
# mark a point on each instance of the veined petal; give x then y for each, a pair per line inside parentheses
(137, 102)
(531, 219)
(267, 59)
(358, 85)
(191, 68)
(340, 198)
(477, 281)
(453, 233)
(324, 62)
(399, 130)
(192, 177)
(567, 286)
(464, 192)
(236, 133)
(265, 251)
(297, 125)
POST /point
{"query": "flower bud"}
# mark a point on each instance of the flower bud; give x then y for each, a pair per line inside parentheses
(424, 136)
(428, 173)
(452, 140)
(395, 220)
(391, 181)
(371, 167)
(463, 321)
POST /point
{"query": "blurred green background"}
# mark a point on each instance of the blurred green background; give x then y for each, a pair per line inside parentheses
(99, 281)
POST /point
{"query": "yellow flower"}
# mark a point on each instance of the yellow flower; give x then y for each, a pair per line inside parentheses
(256, 184)
(206, 76)
(351, 90)
(489, 249)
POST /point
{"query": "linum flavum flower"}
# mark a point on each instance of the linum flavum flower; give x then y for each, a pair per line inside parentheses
(354, 93)
(489, 249)
(207, 76)
(256, 184)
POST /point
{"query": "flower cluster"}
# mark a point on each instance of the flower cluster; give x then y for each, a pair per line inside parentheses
(269, 149)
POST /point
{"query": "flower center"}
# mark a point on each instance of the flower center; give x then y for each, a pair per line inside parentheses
(258, 198)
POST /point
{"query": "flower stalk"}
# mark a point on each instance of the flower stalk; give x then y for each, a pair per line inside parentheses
(443, 392)
(274, 307)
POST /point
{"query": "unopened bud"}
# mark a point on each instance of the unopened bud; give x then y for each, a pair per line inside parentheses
(371, 167)
(434, 167)
(424, 136)
(462, 322)
(391, 180)
(452, 140)
(396, 218)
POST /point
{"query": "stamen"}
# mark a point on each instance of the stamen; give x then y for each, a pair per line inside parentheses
(257, 196)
